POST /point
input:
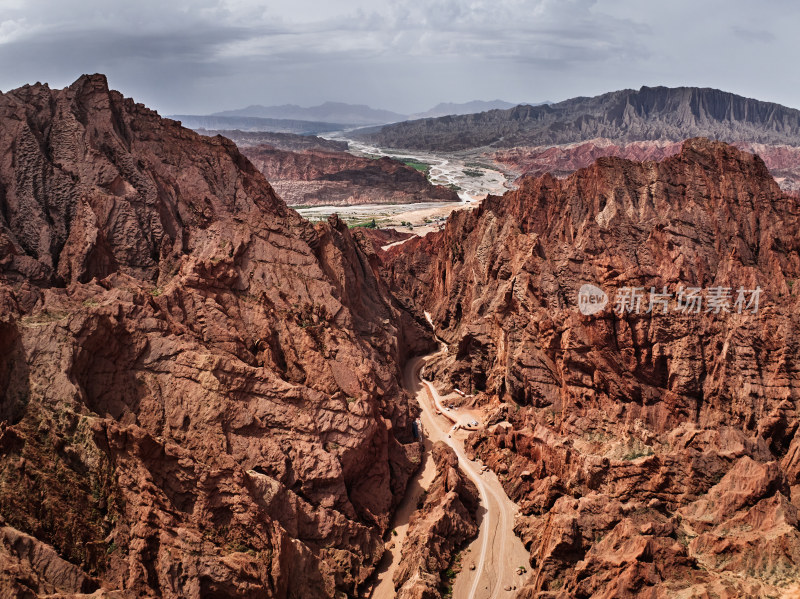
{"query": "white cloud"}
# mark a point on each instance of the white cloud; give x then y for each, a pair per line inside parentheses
(11, 30)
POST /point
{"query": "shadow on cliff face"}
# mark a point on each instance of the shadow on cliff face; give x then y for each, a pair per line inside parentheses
(104, 369)
(51, 476)
(14, 390)
(238, 430)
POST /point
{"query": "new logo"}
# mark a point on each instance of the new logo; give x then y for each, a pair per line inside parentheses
(591, 299)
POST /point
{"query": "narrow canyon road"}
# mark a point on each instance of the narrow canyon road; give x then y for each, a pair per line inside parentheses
(496, 552)
(396, 243)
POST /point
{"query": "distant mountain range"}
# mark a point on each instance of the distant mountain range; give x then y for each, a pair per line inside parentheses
(250, 123)
(329, 112)
(647, 114)
(282, 141)
(330, 116)
(447, 108)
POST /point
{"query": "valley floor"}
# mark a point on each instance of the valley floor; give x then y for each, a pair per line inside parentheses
(496, 553)
(473, 181)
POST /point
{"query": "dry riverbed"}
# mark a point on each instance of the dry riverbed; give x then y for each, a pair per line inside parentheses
(473, 181)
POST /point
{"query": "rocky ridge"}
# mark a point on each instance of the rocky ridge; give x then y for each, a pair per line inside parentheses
(281, 141)
(443, 523)
(199, 389)
(782, 161)
(651, 454)
(647, 114)
(320, 178)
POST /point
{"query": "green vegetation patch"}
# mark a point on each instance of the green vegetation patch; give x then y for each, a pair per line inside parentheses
(422, 167)
(43, 318)
(474, 165)
(367, 224)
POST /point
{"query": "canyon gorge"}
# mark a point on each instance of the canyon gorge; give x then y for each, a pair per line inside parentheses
(651, 454)
(206, 395)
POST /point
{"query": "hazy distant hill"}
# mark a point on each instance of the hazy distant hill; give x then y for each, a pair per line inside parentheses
(651, 113)
(358, 114)
(244, 123)
(446, 108)
(330, 116)
(282, 141)
(329, 112)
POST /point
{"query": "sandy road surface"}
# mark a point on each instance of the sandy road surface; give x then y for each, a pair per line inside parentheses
(496, 552)
(391, 245)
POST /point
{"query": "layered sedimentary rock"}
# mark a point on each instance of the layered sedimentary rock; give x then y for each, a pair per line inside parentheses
(444, 522)
(652, 454)
(783, 161)
(383, 237)
(646, 114)
(318, 178)
(282, 141)
(199, 390)
(561, 161)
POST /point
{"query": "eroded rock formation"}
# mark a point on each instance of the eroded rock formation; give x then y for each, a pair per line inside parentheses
(444, 522)
(651, 454)
(319, 178)
(627, 115)
(783, 161)
(199, 390)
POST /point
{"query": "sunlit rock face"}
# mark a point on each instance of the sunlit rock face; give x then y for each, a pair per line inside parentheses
(652, 451)
(199, 390)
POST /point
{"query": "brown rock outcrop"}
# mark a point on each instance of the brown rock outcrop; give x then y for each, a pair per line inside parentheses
(444, 522)
(31, 568)
(783, 161)
(281, 141)
(317, 178)
(199, 390)
(646, 114)
(382, 237)
(651, 454)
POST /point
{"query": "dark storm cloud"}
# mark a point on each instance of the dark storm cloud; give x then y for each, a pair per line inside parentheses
(63, 50)
(112, 34)
(401, 54)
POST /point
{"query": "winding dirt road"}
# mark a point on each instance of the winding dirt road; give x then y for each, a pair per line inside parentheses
(497, 552)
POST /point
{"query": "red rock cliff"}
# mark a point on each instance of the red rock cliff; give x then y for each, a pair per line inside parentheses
(318, 178)
(651, 454)
(783, 161)
(199, 390)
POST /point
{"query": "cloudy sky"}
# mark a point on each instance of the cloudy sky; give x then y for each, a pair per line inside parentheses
(403, 55)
